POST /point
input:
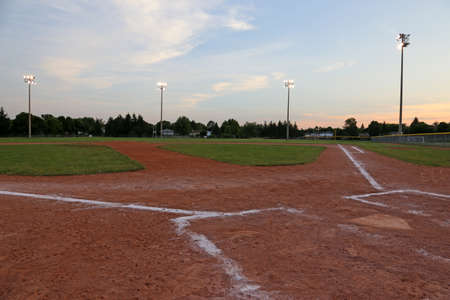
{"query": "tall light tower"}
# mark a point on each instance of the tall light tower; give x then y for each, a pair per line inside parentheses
(289, 84)
(403, 40)
(162, 86)
(29, 79)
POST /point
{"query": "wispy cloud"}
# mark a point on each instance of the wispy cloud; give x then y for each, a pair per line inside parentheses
(249, 83)
(64, 68)
(135, 35)
(278, 75)
(195, 99)
(168, 29)
(239, 25)
(66, 6)
(150, 57)
(163, 29)
(236, 20)
(252, 83)
(72, 72)
(221, 86)
(335, 66)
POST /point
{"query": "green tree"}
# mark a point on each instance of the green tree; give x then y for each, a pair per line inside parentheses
(214, 128)
(53, 126)
(230, 128)
(249, 130)
(374, 128)
(19, 125)
(5, 123)
(443, 127)
(419, 127)
(350, 127)
(182, 126)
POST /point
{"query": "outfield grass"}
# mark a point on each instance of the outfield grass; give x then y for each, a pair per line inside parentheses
(64, 139)
(62, 160)
(250, 155)
(418, 154)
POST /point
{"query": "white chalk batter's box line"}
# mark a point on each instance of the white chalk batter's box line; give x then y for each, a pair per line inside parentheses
(364, 199)
(358, 149)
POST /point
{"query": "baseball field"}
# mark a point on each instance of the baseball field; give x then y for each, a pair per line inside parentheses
(223, 219)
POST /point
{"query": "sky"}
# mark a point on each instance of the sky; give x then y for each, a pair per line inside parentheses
(227, 59)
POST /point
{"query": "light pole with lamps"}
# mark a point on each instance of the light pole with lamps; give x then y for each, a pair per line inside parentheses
(289, 84)
(162, 86)
(29, 79)
(403, 40)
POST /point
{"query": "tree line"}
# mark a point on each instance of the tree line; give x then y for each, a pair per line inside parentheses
(135, 126)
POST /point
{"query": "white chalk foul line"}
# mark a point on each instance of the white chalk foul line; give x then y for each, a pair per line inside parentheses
(358, 149)
(361, 169)
(105, 204)
(242, 286)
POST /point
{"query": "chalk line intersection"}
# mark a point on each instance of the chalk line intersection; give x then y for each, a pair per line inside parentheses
(241, 285)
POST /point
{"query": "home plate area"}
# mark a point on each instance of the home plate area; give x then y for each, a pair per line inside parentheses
(413, 202)
(313, 257)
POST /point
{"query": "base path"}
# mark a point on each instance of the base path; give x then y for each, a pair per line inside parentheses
(192, 228)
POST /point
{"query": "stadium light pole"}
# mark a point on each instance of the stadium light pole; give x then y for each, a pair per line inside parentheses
(289, 84)
(29, 79)
(403, 40)
(162, 86)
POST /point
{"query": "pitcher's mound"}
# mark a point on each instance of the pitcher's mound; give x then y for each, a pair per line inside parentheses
(383, 221)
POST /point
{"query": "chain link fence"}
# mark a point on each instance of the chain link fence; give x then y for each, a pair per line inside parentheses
(422, 138)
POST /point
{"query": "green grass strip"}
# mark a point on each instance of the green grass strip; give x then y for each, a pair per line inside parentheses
(250, 155)
(62, 160)
(417, 154)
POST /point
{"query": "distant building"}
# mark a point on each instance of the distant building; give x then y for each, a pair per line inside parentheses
(168, 132)
(195, 133)
(325, 134)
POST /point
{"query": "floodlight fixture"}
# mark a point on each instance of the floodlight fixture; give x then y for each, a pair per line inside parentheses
(289, 84)
(403, 40)
(30, 80)
(162, 86)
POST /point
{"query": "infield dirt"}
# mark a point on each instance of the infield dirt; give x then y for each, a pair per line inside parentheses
(52, 250)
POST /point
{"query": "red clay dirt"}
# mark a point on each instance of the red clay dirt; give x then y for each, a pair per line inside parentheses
(53, 250)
